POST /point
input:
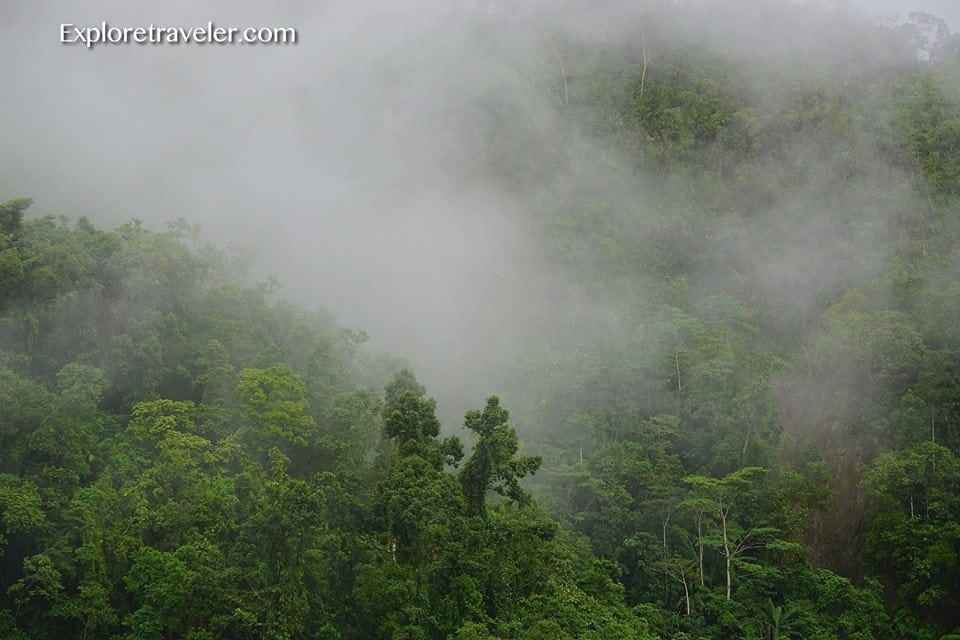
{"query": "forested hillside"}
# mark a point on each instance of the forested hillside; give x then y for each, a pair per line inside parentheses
(738, 418)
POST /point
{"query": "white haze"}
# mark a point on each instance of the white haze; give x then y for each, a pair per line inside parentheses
(348, 162)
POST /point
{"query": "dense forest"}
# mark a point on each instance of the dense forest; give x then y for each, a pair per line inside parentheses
(742, 420)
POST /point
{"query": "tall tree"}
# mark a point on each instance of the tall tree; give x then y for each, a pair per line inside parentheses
(494, 464)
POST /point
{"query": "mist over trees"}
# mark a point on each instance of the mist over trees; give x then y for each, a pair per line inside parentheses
(576, 320)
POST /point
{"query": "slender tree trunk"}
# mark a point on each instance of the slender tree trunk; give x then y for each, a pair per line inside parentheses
(643, 73)
(729, 579)
(746, 445)
(700, 545)
(677, 359)
(686, 591)
(563, 75)
(726, 549)
(933, 437)
(927, 216)
(666, 523)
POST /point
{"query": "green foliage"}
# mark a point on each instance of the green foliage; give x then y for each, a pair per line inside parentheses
(410, 421)
(748, 414)
(494, 464)
(11, 217)
(914, 539)
(20, 509)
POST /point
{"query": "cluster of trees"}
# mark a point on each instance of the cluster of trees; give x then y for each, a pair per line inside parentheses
(750, 430)
(181, 457)
(763, 434)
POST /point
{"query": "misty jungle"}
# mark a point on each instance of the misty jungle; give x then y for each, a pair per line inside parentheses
(545, 320)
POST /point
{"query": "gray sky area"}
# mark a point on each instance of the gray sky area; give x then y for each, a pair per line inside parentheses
(949, 10)
(345, 162)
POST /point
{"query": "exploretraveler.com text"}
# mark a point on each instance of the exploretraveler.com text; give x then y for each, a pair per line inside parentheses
(104, 33)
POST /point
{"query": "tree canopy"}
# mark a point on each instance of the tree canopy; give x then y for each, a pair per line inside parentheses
(752, 431)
